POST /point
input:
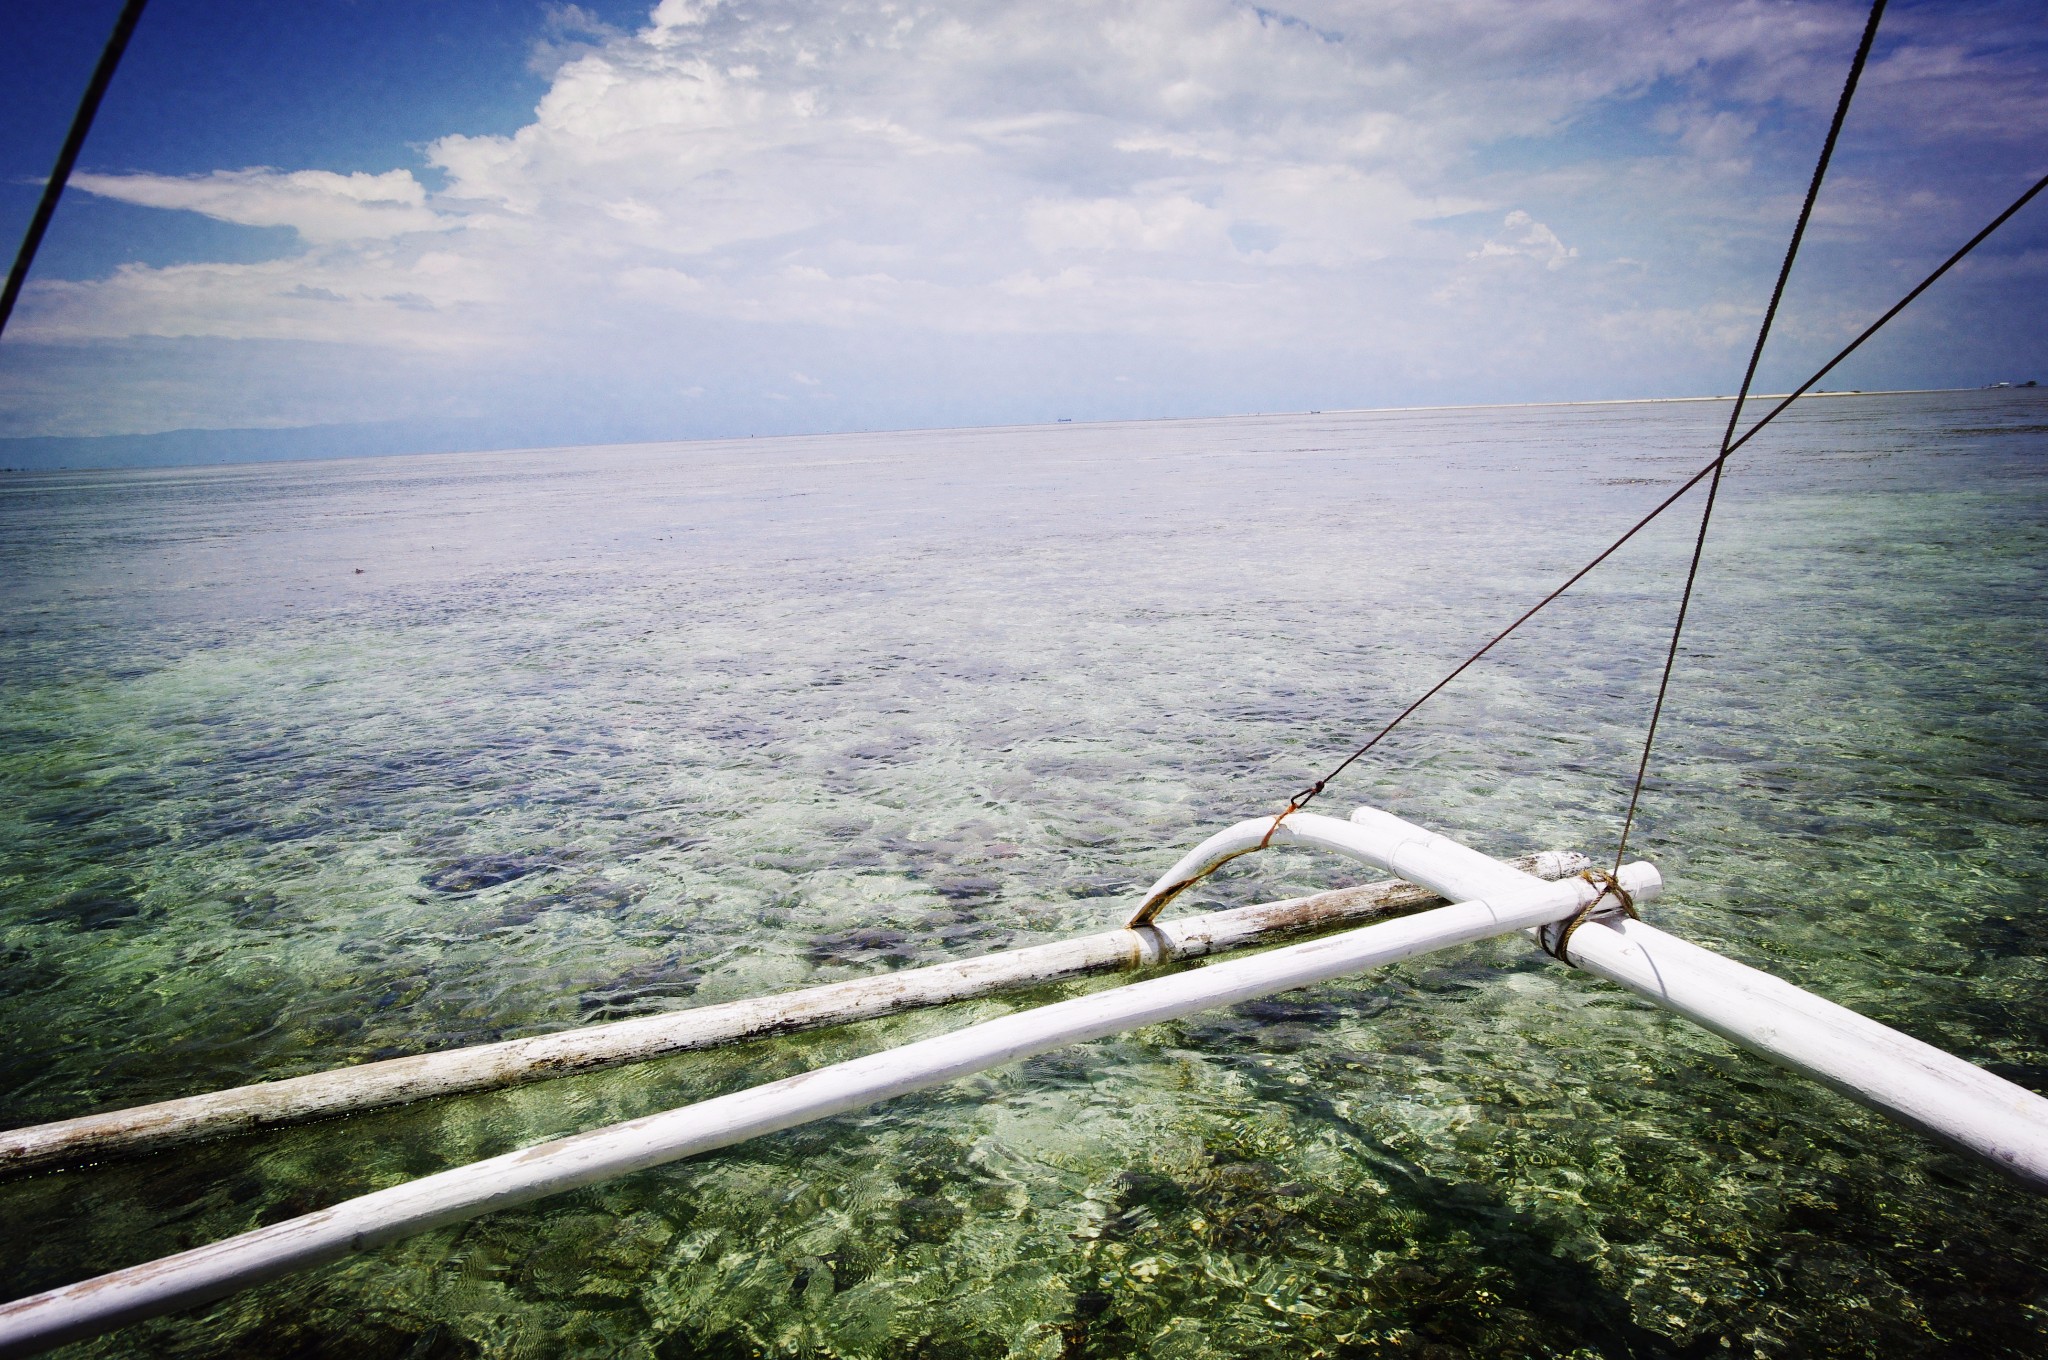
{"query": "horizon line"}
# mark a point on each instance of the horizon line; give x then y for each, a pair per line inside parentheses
(906, 429)
(1228, 415)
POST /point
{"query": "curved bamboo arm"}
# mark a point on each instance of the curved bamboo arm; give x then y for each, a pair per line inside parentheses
(1374, 837)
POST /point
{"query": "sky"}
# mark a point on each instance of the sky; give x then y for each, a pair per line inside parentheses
(497, 222)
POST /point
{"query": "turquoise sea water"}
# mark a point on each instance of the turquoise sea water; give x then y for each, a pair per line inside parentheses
(314, 763)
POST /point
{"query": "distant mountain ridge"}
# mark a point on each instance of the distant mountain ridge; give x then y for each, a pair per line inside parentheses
(184, 448)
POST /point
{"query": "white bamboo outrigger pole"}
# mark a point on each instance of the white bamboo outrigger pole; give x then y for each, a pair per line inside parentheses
(93, 1306)
(589, 1048)
(1893, 1073)
(1888, 1070)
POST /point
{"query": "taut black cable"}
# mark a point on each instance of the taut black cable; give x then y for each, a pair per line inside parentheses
(74, 141)
(1756, 354)
(1301, 799)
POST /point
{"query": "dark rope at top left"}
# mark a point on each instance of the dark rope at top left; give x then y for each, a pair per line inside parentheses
(74, 141)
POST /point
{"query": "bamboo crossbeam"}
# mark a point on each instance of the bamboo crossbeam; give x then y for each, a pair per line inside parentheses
(1887, 1070)
(90, 1307)
(397, 1081)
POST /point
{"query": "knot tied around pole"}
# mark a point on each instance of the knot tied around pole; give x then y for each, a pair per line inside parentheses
(1293, 806)
(1612, 901)
(1201, 862)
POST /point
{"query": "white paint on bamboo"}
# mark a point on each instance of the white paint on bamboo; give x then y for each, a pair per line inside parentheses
(1893, 1073)
(484, 1067)
(91, 1307)
(1377, 838)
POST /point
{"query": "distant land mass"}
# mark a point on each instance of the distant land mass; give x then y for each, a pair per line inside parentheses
(298, 443)
(186, 448)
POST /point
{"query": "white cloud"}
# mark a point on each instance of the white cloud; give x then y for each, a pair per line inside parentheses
(674, 14)
(1199, 171)
(318, 204)
(408, 301)
(1151, 224)
(1523, 237)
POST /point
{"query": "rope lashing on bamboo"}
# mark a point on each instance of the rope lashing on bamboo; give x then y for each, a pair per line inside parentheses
(1293, 806)
(1557, 937)
(1159, 899)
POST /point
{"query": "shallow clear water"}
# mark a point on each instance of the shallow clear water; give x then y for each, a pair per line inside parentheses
(314, 763)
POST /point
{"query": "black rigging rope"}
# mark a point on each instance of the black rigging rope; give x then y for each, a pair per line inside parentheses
(1756, 354)
(74, 141)
(1302, 799)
